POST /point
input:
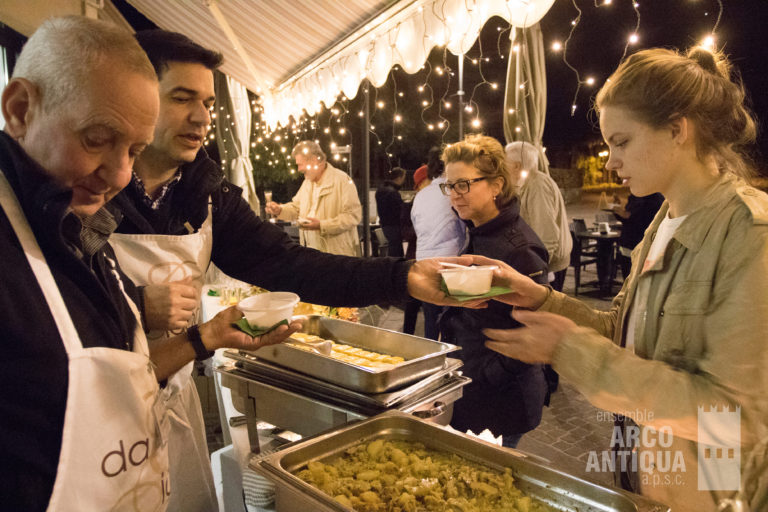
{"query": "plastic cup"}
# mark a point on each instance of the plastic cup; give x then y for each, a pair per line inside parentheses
(469, 280)
(264, 310)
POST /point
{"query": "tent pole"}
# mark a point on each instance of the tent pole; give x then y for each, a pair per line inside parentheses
(366, 170)
(460, 94)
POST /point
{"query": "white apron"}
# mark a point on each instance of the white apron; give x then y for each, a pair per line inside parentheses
(114, 455)
(158, 259)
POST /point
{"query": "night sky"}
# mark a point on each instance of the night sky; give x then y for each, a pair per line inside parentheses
(600, 37)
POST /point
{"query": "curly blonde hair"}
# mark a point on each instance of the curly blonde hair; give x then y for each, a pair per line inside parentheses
(487, 156)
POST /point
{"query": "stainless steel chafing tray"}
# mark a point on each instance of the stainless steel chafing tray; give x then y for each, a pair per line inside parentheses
(423, 356)
(312, 387)
(306, 405)
(557, 489)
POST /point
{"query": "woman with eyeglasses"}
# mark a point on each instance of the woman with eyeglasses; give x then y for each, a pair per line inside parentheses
(505, 396)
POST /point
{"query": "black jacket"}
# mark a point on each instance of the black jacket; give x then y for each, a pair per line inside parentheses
(506, 395)
(258, 252)
(389, 204)
(641, 211)
(33, 368)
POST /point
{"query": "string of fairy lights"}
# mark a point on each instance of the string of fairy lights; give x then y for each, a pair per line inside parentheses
(433, 94)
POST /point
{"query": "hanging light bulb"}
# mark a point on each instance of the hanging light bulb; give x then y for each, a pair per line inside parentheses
(709, 42)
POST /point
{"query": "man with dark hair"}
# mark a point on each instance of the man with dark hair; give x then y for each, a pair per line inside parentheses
(389, 205)
(179, 214)
(172, 47)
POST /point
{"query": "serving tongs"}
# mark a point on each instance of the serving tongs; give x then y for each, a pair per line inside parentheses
(321, 347)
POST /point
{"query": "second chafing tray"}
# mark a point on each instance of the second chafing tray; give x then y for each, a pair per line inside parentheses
(555, 488)
(422, 356)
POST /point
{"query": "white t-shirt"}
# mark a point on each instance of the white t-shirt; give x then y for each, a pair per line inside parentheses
(659, 245)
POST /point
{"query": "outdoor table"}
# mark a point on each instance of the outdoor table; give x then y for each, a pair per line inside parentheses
(605, 257)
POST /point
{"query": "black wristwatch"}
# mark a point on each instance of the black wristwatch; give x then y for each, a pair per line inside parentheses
(193, 335)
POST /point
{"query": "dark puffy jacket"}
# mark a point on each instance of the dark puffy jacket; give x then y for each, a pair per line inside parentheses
(506, 395)
(389, 204)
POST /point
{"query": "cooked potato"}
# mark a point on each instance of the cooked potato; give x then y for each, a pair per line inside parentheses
(405, 476)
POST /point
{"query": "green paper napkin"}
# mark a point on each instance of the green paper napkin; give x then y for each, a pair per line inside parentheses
(244, 326)
(493, 292)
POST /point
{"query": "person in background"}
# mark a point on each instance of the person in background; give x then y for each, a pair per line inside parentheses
(635, 218)
(541, 207)
(505, 396)
(439, 231)
(326, 205)
(682, 350)
(178, 215)
(390, 205)
(412, 306)
(421, 178)
(83, 423)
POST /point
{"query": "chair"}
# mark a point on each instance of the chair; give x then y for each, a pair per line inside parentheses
(381, 242)
(604, 217)
(582, 253)
(578, 226)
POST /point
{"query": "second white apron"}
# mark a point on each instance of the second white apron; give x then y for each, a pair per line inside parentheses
(159, 259)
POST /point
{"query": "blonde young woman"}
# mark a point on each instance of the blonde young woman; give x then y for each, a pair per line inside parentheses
(505, 396)
(688, 332)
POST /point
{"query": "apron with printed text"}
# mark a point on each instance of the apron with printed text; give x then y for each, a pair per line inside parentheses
(159, 259)
(114, 455)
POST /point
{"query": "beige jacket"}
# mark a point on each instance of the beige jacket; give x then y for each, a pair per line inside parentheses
(333, 200)
(701, 340)
(542, 207)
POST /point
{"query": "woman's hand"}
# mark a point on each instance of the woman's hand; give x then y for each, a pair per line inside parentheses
(526, 293)
(536, 342)
(219, 332)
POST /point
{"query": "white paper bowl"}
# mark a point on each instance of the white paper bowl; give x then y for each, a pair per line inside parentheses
(468, 281)
(264, 310)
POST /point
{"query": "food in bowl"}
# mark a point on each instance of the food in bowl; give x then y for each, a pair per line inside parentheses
(348, 353)
(401, 475)
(265, 310)
(474, 280)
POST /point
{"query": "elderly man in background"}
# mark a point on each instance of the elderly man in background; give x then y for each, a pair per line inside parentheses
(541, 207)
(326, 206)
(83, 427)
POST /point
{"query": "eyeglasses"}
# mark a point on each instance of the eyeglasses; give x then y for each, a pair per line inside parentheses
(461, 186)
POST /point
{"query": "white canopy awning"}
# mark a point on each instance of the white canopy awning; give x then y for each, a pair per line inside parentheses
(298, 54)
